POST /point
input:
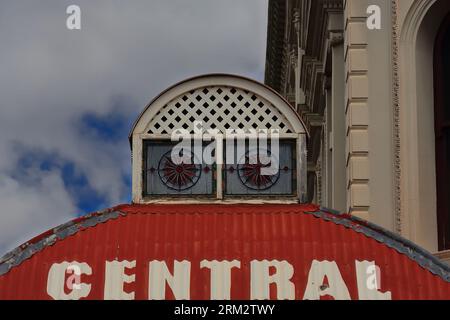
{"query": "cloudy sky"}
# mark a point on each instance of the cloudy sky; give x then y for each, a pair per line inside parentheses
(69, 97)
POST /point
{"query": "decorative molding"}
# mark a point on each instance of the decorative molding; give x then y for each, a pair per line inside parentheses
(413, 20)
(296, 21)
(293, 58)
(275, 44)
(305, 32)
(326, 159)
(396, 117)
(319, 178)
(333, 5)
(412, 79)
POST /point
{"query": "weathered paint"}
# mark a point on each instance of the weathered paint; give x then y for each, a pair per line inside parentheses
(221, 252)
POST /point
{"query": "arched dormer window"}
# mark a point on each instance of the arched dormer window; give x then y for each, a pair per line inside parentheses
(442, 132)
(221, 138)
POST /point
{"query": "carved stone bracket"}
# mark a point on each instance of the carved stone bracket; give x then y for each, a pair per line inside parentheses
(335, 38)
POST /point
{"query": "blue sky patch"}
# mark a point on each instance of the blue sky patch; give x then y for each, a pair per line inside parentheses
(76, 183)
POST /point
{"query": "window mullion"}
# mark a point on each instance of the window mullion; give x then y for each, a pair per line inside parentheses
(219, 166)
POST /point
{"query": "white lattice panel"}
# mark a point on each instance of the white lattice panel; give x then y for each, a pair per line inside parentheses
(219, 107)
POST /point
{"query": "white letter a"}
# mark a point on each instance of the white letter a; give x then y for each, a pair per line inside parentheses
(74, 20)
(374, 18)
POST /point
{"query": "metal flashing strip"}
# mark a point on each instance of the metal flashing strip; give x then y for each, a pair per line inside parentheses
(424, 258)
(28, 249)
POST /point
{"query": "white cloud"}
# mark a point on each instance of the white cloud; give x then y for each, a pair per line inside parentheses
(52, 76)
(27, 211)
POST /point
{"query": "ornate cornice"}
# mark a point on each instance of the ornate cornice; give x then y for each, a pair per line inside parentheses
(275, 44)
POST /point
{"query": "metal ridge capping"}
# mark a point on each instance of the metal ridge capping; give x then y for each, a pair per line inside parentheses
(424, 258)
(403, 246)
(48, 238)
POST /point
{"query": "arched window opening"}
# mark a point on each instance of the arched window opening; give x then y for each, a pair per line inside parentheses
(442, 132)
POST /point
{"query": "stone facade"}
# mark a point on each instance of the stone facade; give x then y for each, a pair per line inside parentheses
(357, 89)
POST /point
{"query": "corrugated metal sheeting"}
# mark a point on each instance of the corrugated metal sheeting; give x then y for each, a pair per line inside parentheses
(220, 251)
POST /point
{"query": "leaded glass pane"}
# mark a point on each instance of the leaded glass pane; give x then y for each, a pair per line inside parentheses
(245, 178)
(165, 176)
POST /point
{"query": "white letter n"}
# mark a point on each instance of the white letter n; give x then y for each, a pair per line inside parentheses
(179, 282)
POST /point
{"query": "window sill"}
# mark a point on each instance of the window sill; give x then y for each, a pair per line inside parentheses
(286, 200)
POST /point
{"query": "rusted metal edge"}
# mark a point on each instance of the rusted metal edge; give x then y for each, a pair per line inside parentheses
(28, 249)
(425, 259)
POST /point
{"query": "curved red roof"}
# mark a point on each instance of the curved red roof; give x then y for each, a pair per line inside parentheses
(295, 244)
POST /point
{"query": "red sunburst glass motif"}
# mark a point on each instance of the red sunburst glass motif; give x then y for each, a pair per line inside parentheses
(178, 176)
(250, 174)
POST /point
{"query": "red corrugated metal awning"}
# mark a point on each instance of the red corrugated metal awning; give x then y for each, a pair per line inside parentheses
(221, 251)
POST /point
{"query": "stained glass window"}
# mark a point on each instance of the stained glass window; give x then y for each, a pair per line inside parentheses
(262, 171)
(179, 173)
